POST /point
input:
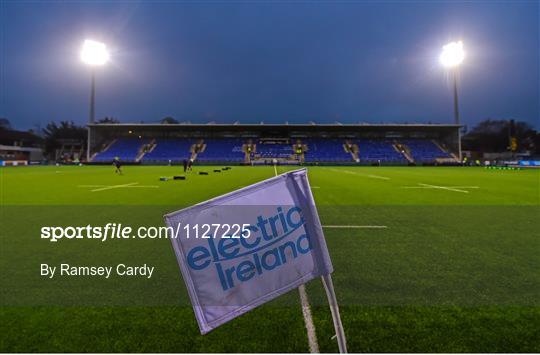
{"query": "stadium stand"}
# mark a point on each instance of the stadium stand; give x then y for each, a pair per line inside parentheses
(363, 144)
(169, 149)
(222, 150)
(325, 150)
(126, 149)
(372, 150)
(424, 150)
(274, 150)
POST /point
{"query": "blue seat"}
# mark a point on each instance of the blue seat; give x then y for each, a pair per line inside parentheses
(424, 150)
(378, 150)
(274, 150)
(174, 149)
(325, 150)
(126, 149)
(222, 150)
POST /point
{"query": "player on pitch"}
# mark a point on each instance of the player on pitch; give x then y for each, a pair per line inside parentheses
(117, 165)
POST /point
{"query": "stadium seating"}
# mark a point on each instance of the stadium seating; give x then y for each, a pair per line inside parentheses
(424, 150)
(176, 149)
(325, 150)
(375, 150)
(222, 150)
(126, 149)
(274, 150)
(318, 150)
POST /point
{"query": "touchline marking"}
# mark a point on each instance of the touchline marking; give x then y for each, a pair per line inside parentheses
(449, 188)
(308, 320)
(355, 227)
(109, 187)
(360, 174)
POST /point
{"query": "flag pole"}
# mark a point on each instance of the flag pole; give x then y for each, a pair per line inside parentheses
(306, 311)
(330, 294)
(332, 301)
(334, 309)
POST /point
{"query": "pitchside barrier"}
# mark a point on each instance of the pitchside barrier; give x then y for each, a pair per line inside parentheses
(13, 162)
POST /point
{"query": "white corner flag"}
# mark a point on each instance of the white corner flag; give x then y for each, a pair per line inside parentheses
(247, 247)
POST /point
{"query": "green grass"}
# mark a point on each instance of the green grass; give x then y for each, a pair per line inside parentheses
(453, 271)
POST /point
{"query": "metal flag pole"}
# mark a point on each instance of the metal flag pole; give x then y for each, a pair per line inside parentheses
(334, 309)
(330, 294)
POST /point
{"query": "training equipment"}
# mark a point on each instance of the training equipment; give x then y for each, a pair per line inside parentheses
(163, 178)
(181, 177)
(217, 171)
(203, 173)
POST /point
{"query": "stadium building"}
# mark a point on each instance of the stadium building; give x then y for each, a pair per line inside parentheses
(19, 148)
(311, 144)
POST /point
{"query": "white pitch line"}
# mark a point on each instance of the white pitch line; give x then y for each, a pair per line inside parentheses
(113, 187)
(445, 188)
(145, 186)
(429, 187)
(308, 321)
(449, 188)
(378, 177)
(354, 227)
(360, 174)
(108, 187)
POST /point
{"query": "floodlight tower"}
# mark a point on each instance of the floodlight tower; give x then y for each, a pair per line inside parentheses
(451, 57)
(93, 54)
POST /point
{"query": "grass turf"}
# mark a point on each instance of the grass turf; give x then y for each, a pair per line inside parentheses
(456, 269)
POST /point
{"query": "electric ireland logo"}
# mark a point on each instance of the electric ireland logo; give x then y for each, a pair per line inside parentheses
(274, 241)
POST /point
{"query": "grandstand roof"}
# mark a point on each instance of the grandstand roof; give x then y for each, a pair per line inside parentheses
(273, 129)
(256, 125)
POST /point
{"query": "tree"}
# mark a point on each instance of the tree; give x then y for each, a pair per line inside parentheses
(53, 133)
(108, 120)
(168, 120)
(494, 136)
(5, 124)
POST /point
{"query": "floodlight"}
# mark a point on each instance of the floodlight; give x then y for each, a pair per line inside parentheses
(94, 53)
(452, 54)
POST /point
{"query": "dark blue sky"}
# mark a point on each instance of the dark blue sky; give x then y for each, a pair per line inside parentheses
(351, 61)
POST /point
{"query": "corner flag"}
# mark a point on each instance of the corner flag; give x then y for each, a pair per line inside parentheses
(261, 241)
